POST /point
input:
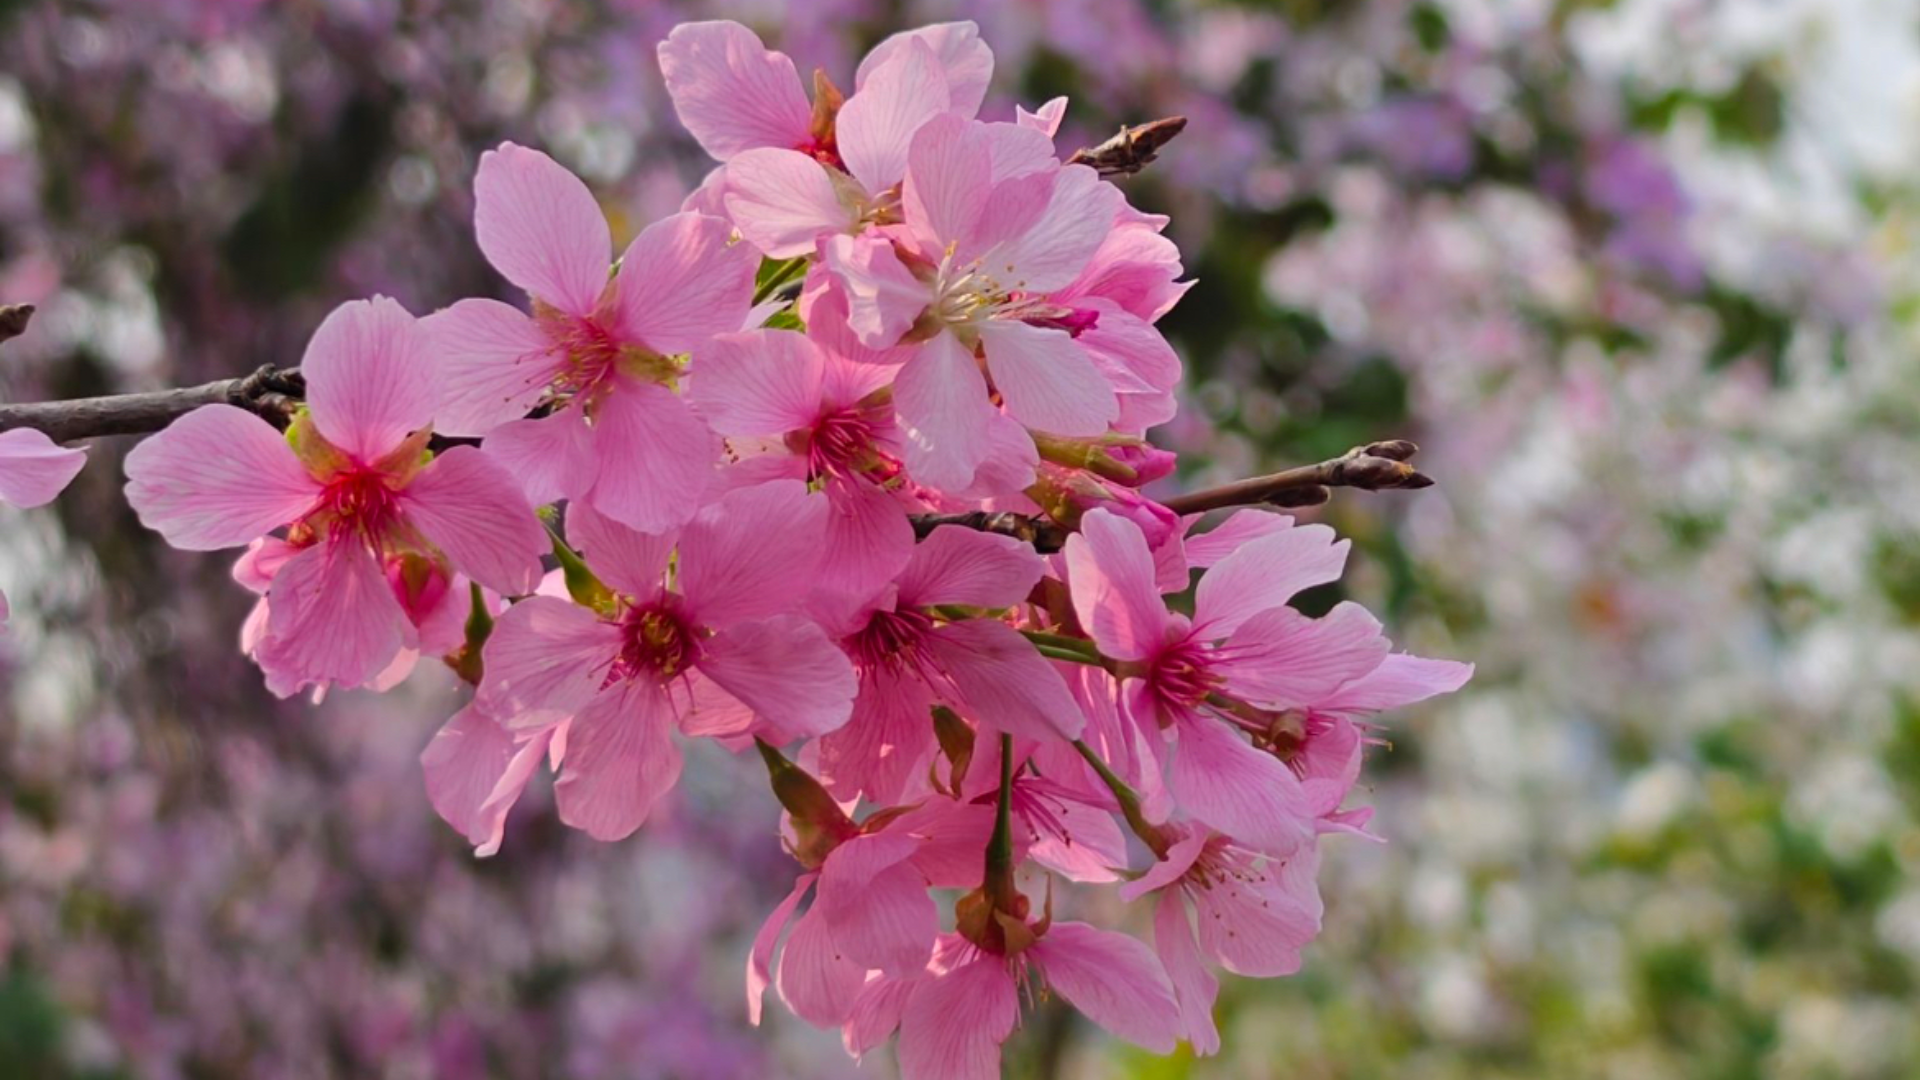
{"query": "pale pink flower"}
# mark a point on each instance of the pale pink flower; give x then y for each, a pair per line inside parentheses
(953, 1018)
(992, 223)
(912, 652)
(476, 769)
(1244, 649)
(822, 418)
(372, 519)
(797, 172)
(33, 470)
(1254, 914)
(604, 356)
(719, 653)
(871, 912)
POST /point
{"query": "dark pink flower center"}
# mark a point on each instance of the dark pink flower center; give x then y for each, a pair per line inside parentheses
(1183, 675)
(657, 642)
(891, 637)
(846, 443)
(360, 499)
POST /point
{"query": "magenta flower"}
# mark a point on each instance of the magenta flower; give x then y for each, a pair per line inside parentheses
(797, 172)
(816, 416)
(1243, 650)
(373, 521)
(992, 224)
(604, 356)
(476, 769)
(911, 652)
(719, 653)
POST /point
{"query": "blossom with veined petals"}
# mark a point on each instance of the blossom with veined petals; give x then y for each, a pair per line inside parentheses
(718, 653)
(372, 518)
(600, 354)
(34, 469)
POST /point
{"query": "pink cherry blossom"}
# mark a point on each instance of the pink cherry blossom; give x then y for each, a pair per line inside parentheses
(824, 419)
(1244, 654)
(34, 469)
(992, 223)
(374, 524)
(912, 651)
(797, 172)
(602, 353)
(719, 653)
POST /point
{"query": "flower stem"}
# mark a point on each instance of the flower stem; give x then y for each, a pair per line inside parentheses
(999, 870)
(1128, 799)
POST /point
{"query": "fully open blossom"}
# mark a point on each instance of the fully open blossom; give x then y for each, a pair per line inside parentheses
(603, 354)
(992, 223)
(375, 525)
(718, 653)
(1243, 654)
(912, 650)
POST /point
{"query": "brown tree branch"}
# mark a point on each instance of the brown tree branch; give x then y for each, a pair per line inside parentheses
(268, 392)
(1377, 466)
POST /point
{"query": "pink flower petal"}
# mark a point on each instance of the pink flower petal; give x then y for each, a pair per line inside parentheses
(726, 572)
(1005, 682)
(783, 201)
(1234, 532)
(883, 299)
(969, 568)
(1053, 253)
(496, 364)
(868, 539)
(877, 904)
(1282, 659)
(371, 377)
(217, 477)
(941, 400)
(1193, 985)
(786, 671)
(823, 304)
(1164, 872)
(954, 1024)
(682, 281)
(762, 382)
(34, 468)
(731, 92)
(877, 123)
(815, 979)
(1399, 680)
(1081, 842)
(965, 61)
(332, 617)
(948, 183)
(1247, 794)
(1265, 573)
(541, 228)
(885, 747)
(475, 771)
(621, 759)
(1254, 921)
(1114, 980)
(1046, 119)
(1114, 591)
(876, 1013)
(552, 457)
(545, 661)
(1135, 267)
(629, 560)
(1049, 384)
(472, 510)
(655, 456)
(760, 959)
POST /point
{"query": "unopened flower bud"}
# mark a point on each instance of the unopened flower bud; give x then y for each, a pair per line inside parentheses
(1068, 494)
(1122, 459)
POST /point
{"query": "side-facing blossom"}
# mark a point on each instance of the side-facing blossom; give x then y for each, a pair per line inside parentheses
(33, 470)
(713, 648)
(796, 172)
(373, 521)
(602, 350)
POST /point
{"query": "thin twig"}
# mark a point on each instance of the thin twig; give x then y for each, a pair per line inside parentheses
(1377, 466)
(1044, 534)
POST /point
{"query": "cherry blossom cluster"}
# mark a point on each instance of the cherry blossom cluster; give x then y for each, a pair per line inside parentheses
(742, 446)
